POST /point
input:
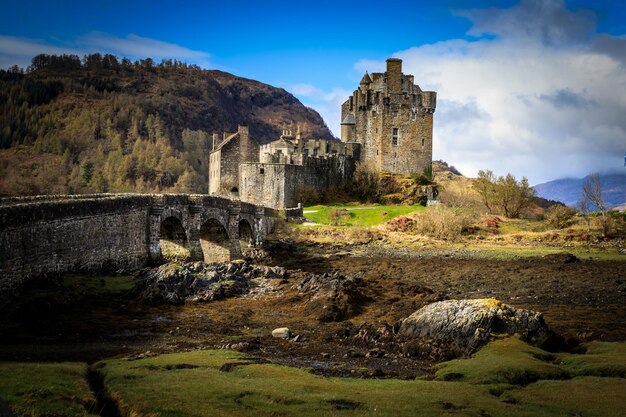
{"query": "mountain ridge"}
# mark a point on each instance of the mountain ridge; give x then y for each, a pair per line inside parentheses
(569, 190)
(103, 125)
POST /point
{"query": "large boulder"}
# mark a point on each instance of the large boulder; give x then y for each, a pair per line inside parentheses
(468, 324)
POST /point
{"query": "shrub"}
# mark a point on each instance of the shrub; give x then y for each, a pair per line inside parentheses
(308, 195)
(366, 182)
(338, 217)
(401, 224)
(442, 222)
(491, 224)
(559, 216)
(460, 195)
(395, 198)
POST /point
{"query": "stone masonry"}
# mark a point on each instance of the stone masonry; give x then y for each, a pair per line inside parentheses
(387, 124)
(392, 118)
(109, 232)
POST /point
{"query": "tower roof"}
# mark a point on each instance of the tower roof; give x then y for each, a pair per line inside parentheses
(349, 119)
(366, 79)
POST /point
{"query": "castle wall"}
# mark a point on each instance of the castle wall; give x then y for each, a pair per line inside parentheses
(215, 168)
(225, 159)
(282, 185)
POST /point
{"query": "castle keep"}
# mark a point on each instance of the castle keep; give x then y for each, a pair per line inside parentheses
(392, 118)
(387, 124)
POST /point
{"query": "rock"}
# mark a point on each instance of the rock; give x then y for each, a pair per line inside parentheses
(468, 324)
(281, 333)
(199, 282)
(325, 355)
(353, 354)
(333, 297)
(298, 338)
(375, 353)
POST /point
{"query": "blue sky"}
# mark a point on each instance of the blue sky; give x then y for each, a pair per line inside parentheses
(522, 85)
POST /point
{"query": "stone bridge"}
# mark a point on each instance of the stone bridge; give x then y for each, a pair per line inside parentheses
(111, 232)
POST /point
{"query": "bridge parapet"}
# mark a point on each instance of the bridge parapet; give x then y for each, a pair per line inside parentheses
(44, 235)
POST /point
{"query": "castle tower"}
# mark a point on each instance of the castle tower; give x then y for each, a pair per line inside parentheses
(392, 118)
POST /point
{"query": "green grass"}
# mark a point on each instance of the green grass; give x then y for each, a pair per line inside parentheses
(46, 389)
(491, 383)
(504, 361)
(601, 359)
(506, 378)
(511, 361)
(361, 216)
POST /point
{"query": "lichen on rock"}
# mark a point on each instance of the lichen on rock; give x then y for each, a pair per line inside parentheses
(469, 324)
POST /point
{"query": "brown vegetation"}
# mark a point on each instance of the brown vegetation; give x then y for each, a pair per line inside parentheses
(105, 125)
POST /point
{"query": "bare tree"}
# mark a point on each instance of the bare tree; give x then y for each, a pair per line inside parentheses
(592, 193)
(583, 209)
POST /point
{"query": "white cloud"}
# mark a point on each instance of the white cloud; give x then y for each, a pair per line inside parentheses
(20, 51)
(544, 97)
(140, 47)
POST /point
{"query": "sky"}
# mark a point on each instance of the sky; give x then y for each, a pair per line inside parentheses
(536, 88)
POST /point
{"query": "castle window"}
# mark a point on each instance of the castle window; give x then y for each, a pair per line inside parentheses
(422, 141)
(395, 114)
(261, 170)
(394, 137)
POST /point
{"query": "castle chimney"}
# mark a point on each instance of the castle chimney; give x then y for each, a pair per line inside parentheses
(216, 138)
(394, 76)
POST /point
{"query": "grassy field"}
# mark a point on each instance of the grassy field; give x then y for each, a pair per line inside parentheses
(360, 216)
(46, 389)
(506, 378)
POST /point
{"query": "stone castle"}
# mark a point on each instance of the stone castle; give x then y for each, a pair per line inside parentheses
(387, 124)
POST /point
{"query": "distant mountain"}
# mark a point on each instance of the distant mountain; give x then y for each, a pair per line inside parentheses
(71, 125)
(568, 190)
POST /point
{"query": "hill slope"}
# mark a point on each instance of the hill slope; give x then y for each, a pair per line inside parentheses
(106, 125)
(568, 190)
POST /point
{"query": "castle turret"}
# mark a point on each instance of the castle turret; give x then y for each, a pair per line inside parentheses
(348, 128)
(429, 101)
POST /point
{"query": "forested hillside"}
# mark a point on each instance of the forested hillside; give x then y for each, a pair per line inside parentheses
(106, 125)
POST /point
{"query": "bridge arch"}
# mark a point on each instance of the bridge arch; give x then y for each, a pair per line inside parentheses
(246, 234)
(214, 241)
(173, 240)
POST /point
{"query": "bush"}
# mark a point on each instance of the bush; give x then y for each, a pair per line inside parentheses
(559, 216)
(338, 217)
(443, 223)
(366, 182)
(401, 224)
(308, 195)
(491, 224)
